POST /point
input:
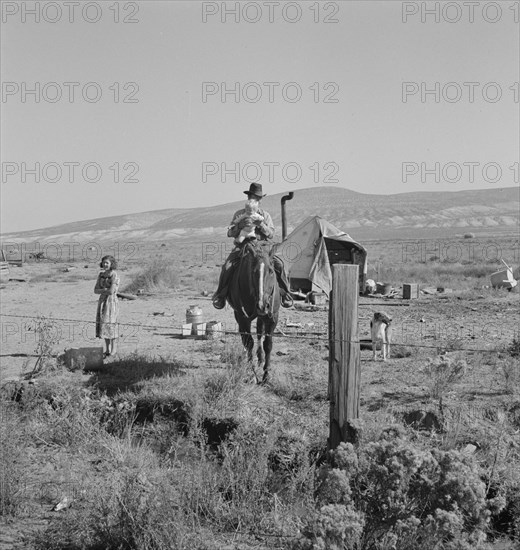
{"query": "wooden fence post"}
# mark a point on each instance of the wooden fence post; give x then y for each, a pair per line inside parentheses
(344, 354)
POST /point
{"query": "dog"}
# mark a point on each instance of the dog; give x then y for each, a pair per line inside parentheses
(381, 331)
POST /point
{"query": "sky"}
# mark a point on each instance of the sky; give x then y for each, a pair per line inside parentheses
(124, 107)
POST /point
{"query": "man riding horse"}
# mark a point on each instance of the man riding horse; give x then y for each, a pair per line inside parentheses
(264, 231)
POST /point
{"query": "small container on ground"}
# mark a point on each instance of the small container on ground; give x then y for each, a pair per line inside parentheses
(84, 358)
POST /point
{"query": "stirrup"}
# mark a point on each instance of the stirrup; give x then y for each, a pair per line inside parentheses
(287, 301)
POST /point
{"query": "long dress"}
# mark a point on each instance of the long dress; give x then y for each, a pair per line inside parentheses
(108, 306)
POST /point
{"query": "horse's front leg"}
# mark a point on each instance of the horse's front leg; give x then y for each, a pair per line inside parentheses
(269, 326)
(244, 326)
(268, 346)
(248, 341)
(259, 335)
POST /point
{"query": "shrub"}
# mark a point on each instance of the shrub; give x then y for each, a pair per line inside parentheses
(444, 370)
(47, 334)
(450, 344)
(399, 351)
(514, 347)
(292, 462)
(132, 510)
(160, 274)
(250, 489)
(58, 412)
(511, 372)
(63, 415)
(390, 494)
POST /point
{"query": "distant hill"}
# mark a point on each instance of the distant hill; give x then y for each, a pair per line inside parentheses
(357, 213)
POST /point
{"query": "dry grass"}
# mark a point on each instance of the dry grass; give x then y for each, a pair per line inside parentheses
(13, 481)
(159, 275)
(449, 261)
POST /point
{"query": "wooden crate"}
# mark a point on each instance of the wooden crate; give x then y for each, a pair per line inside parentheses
(318, 298)
(213, 330)
(410, 291)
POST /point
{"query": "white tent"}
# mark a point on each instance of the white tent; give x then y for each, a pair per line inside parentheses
(310, 250)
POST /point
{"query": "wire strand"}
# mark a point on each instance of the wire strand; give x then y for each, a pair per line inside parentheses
(314, 336)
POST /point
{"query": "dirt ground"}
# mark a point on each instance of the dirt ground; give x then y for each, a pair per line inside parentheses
(477, 324)
(151, 324)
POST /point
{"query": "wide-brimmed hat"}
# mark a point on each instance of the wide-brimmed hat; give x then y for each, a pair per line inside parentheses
(256, 190)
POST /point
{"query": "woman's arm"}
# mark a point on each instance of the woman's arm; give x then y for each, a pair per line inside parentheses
(114, 283)
(98, 289)
(104, 291)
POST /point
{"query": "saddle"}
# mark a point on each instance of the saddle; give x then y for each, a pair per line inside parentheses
(246, 241)
(259, 247)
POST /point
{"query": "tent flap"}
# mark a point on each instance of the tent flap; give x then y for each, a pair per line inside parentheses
(320, 273)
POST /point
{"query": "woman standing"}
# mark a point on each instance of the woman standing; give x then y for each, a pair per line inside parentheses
(108, 306)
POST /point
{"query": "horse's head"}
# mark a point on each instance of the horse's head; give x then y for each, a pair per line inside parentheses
(262, 276)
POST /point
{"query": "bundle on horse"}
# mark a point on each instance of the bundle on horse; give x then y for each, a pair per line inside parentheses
(254, 294)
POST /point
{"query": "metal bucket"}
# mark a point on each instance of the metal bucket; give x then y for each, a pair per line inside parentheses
(194, 315)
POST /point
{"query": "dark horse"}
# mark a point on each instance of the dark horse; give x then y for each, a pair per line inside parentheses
(254, 294)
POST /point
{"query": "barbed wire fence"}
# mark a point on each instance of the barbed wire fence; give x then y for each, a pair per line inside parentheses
(300, 334)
